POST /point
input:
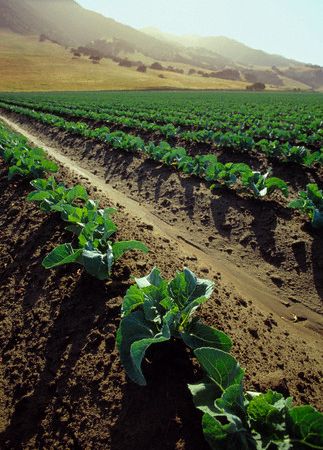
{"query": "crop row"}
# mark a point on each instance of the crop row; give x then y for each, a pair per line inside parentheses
(155, 311)
(204, 111)
(280, 111)
(91, 226)
(274, 140)
(207, 167)
(221, 139)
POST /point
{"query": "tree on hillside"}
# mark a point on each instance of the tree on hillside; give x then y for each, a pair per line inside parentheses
(142, 68)
(125, 63)
(156, 66)
(95, 58)
(256, 87)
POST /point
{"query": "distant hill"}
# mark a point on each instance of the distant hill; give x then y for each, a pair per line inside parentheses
(71, 26)
(30, 65)
(254, 65)
(235, 51)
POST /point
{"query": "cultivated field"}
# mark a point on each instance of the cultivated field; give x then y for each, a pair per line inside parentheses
(227, 185)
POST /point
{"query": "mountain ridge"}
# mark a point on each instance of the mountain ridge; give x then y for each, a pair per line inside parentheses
(217, 42)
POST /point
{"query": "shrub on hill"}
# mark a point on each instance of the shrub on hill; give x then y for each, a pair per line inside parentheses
(142, 68)
(156, 66)
(256, 87)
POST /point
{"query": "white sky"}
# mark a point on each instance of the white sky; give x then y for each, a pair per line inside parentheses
(292, 28)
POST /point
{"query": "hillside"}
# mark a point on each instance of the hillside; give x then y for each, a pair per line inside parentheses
(231, 49)
(248, 59)
(70, 24)
(25, 64)
(188, 62)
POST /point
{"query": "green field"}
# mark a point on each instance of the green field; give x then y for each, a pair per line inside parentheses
(286, 127)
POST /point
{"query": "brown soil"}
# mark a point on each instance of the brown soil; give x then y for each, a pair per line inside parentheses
(61, 382)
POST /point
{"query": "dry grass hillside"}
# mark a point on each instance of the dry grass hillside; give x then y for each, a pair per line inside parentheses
(28, 65)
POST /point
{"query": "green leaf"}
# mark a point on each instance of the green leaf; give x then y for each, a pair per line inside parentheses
(38, 196)
(314, 193)
(232, 401)
(296, 204)
(108, 212)
(227, 436)
(200, 335)
(86, 235)
(153, 299)
(14, 170)
(76, 192)
(119, 248)
(109, 228)
(221, 367)
(43, 184)
(97, 264)
(192, 306)
(305, 427)
(134, 297)
(274, 183)
(204, 395)
(266, 414)
(72, 213)
(37, 153)
(186, 287)
(63, 254)
(154, 278)
(135, 335)
(49, 166)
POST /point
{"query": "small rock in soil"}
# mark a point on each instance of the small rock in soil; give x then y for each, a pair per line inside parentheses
(277, 280)
(253, 332)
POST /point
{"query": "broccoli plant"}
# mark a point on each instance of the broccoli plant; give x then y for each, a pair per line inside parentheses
(204, 166)
(174, 156)
(310, 202)
(157, 152)
(155, 310)
(52, 196)
(262, 185)
(234, 419)
(123, 141)
(96, 260)
(27, 162)
(231, 172)
(95, 250)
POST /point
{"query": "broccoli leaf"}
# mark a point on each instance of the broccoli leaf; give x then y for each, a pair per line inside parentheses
(134, 336)
(121, 247)
(63, 254)
(201, 335)
(305, 426)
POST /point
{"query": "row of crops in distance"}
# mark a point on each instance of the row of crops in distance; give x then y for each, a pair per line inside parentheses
(252, 125)
(291, 145)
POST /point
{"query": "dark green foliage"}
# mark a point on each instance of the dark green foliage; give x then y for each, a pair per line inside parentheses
(310, 202)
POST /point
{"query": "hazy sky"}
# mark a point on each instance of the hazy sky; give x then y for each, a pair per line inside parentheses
(293, 28)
